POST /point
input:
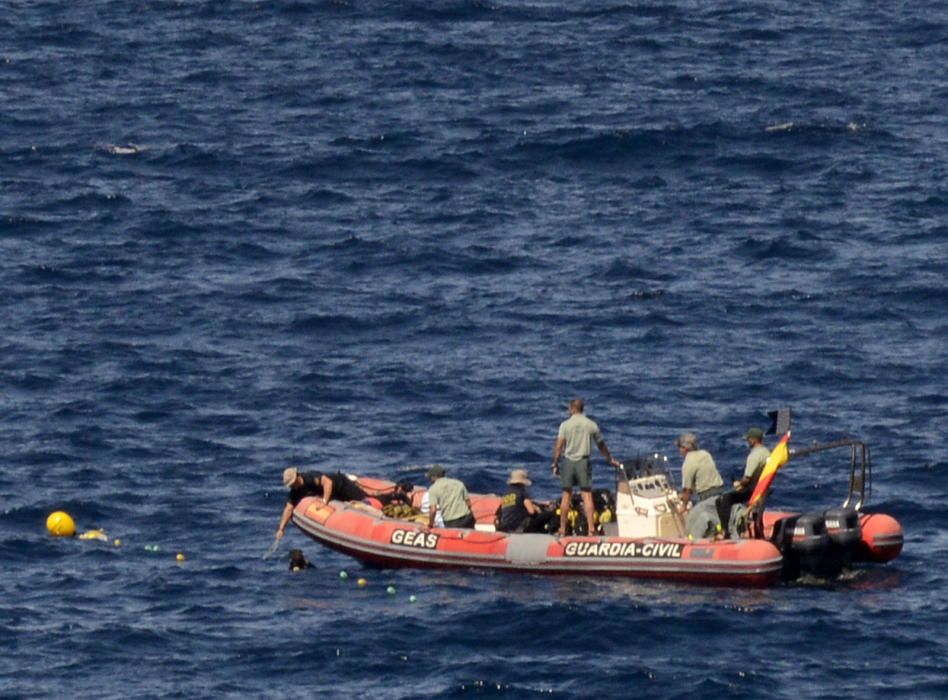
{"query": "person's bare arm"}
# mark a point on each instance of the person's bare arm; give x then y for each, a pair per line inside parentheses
(557, 453)
(685, 496)
(284, 519)
(605, 453)
(327, 488)
(531, 507)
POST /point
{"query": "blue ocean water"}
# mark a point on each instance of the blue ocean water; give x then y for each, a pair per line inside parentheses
(369, 236)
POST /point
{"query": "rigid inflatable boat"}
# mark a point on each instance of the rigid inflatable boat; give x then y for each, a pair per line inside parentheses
(645, 537)
(364, 532)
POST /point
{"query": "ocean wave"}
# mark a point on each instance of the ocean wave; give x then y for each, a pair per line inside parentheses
(96, 201)
(621, 146)
(348, 323)
(626, 271)
(128, 149)
(802, 246)
(326, 197)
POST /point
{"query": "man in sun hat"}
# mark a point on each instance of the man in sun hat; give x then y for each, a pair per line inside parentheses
(326, 486)
(518, 512)
(744, 487)
(574, 442)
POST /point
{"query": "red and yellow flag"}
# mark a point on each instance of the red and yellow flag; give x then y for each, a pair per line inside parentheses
(778, 457)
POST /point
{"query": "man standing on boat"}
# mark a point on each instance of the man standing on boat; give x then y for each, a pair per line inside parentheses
(574, 445)
(448, 497)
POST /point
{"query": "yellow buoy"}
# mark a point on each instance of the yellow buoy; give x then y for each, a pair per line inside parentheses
(117, 542)
(60, 524)
(362, 583)
(180, 556)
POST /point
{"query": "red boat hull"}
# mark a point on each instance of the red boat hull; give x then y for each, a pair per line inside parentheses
(363, 532)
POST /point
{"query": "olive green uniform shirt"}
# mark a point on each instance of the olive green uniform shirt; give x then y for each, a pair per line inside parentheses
(450, 496)
(757, 458)
(699, 472)
(579, 432)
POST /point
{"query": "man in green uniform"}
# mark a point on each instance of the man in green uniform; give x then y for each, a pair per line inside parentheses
(450, 498)
(699, 479)
(699, 473)
(574, 445)
(743, 488)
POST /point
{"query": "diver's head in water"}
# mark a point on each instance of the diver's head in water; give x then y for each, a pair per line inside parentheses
(298, 561)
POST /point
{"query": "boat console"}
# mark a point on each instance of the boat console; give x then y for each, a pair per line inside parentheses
(646, 501)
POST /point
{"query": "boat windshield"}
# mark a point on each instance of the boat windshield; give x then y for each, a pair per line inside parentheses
(653, 464)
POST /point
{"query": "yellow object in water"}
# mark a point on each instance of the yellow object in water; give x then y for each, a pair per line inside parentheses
(362, 583)
(180, 556)
(117, 542)
(60, 524)
(98, 534)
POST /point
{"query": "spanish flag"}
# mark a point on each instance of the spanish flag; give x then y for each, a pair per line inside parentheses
(778, 457)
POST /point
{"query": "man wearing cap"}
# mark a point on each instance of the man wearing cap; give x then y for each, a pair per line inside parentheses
(518, 512)
(574, 444)
(699, 473)
(448, 497)
(743, 488)
(327, 486)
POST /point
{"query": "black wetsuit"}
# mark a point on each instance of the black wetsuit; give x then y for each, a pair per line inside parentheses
(312, 486)
(343, 488)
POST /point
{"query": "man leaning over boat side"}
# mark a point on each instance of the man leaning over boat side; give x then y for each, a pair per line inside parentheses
(326, 486)
(574, 444)
(450, 498)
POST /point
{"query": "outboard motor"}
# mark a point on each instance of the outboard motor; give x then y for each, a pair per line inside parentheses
(811, 545)
(844, 532)
(782, 538)
(803, 541)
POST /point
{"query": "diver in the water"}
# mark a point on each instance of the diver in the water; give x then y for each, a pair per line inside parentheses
(298, 561)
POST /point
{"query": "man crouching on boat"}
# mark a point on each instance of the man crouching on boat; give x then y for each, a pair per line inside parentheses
(326, 486)
(699, 473)
(450, 498)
